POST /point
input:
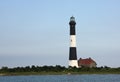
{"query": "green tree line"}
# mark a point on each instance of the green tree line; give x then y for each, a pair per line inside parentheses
(33, 68)
(59, 69)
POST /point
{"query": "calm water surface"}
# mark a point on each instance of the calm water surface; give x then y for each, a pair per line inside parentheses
(62, 78)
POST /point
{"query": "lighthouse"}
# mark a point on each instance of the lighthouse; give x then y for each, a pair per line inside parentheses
(72, 51)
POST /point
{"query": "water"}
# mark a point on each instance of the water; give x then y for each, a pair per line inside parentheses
(62, 78)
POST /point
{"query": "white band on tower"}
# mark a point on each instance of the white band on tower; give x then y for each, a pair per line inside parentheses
(72, 41)
(73, 63)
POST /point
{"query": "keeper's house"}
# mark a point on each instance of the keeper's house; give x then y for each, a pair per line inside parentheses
(88, 62)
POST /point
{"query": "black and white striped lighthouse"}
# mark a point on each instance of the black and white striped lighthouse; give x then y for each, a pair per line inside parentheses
(73, 51)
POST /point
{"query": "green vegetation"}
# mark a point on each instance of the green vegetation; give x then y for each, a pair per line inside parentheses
(45, 70)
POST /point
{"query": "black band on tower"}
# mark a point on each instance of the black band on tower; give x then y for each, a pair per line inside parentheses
(72, 27)
(72, 30)
(72, 53)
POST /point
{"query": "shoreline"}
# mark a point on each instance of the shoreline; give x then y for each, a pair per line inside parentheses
(55, 73)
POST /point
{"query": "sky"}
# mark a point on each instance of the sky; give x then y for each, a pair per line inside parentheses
(36, 32)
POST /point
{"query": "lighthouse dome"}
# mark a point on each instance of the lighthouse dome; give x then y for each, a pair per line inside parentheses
(72, 18)
(72, 21)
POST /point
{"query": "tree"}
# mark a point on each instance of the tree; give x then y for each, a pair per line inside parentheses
(4, 69)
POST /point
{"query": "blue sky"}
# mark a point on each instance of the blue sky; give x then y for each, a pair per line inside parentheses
(36, 32)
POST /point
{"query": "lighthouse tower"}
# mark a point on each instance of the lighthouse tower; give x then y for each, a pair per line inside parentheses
(72, 52)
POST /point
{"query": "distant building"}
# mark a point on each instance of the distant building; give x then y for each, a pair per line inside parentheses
(88, 62)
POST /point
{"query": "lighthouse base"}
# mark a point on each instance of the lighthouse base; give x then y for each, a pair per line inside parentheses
(73, 63)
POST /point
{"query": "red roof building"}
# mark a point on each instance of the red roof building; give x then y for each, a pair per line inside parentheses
(88, 62)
